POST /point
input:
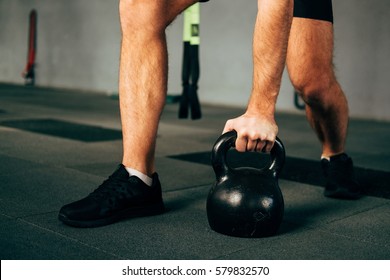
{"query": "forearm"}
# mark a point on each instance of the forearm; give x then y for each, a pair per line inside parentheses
(270, 40)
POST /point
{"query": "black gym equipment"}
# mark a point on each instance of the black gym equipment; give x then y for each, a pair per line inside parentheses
(190, 69)
(245, 201)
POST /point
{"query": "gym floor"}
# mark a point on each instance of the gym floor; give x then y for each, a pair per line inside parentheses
(56, 146)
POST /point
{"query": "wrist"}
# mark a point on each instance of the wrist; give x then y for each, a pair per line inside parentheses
(262, 103)
(261, 108)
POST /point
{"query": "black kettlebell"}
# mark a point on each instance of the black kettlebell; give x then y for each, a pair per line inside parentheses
(245, 201)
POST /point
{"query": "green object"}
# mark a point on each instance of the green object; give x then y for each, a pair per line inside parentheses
(190, 72)
(191, 24)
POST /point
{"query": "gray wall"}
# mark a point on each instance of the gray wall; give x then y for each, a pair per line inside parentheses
(78, 47)
(78, 43)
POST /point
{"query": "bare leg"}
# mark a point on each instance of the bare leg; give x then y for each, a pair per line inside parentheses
(143, 75)
(142, 90)
(310, 66)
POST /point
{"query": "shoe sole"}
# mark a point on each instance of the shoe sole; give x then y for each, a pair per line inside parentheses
(122, 215)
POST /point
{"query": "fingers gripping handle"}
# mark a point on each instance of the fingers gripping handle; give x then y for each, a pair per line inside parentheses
(227, 141)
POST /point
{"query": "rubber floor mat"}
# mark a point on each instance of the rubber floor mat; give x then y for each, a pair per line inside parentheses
(64, 129)
(375, 182)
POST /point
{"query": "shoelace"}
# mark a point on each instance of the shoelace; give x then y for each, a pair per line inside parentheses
(112, 187)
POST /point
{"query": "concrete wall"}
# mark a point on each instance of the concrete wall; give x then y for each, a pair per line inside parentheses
(78, 47)
(78, 43)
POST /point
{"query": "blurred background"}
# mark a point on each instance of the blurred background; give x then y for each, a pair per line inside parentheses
(78, 48)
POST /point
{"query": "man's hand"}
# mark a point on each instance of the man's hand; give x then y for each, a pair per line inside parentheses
(254, 132)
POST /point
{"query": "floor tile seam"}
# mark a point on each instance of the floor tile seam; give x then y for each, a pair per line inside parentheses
(348, 237)
(74, 169)
(196, 129)
(322, 228)
(172, 157)
(8, 217)
(67, 237)
(358, 212)
(330, 222)
(40, 165)
(223, 256)
(23, 217)
(186, 188)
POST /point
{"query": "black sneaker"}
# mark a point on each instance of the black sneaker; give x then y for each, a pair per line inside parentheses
(340, 180)
(117, 198)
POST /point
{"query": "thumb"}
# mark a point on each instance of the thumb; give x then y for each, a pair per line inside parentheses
(228, 127)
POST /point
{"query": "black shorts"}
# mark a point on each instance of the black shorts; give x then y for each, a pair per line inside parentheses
(314, 9)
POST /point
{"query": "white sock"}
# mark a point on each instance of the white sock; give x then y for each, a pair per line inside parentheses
(144, 178)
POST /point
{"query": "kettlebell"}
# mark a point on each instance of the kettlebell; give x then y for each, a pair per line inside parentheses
(245, 201)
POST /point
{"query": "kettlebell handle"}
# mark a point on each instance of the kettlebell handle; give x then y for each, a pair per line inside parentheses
(227, 141)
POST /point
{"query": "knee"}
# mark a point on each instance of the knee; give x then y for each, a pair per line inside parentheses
(315, 88)
(143, 16)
